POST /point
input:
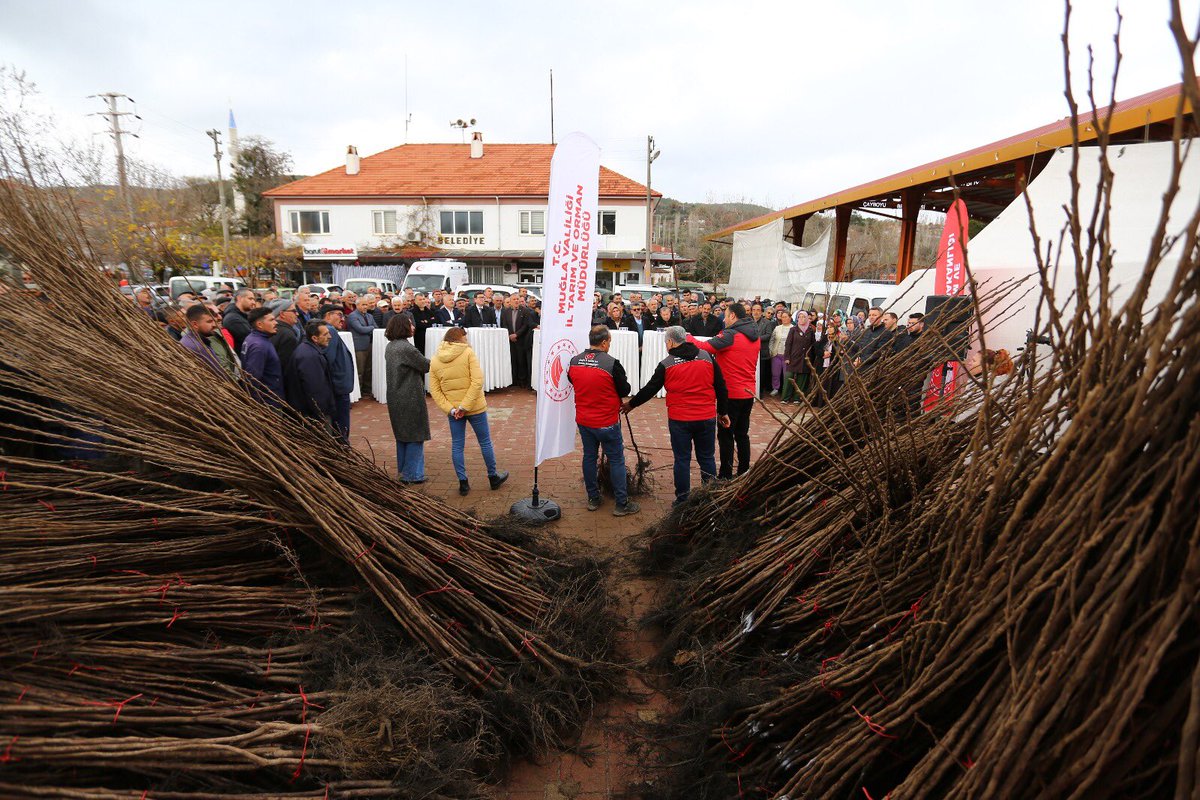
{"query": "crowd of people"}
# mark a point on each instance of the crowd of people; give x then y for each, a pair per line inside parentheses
(289, 355)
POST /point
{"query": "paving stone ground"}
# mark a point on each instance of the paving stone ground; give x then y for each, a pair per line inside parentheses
(511, 419)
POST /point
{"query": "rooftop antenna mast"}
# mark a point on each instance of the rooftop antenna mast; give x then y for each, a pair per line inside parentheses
(462, 125)
(407, 116)
(551, 106)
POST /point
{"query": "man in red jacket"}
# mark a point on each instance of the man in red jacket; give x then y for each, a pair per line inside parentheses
(736, 349)
(696, 400)
(600, 383)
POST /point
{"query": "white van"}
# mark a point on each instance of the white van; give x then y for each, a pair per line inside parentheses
(429, 276)
(845, 297)
(360, 285)
(910, 294)
(199, 283)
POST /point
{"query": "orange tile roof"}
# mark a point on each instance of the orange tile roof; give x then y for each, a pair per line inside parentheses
(447, 170)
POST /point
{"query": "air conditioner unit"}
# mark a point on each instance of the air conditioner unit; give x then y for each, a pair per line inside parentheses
(510, 267)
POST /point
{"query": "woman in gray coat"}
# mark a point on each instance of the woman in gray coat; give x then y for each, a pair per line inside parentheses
(406, 368)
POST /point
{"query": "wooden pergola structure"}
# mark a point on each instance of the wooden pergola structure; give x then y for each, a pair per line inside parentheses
(988, 178)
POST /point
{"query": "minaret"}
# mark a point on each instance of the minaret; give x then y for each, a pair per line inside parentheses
(239, 202)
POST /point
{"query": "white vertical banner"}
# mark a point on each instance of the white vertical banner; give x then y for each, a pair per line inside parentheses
(569, 280)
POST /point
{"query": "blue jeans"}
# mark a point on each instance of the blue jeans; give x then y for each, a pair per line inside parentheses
(458, 440)
(410, 460)
(702, 434)
(614, 450)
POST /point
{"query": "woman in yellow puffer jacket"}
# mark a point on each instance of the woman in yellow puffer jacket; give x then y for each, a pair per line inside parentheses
(456, 383)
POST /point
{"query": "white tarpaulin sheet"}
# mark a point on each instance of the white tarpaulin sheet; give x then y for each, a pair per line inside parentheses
(765, 265)
(1141, 172)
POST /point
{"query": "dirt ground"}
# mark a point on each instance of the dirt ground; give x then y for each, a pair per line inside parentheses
(511, 419)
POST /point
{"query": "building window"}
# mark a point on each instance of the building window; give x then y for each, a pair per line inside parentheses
(384, 223)
(310, 222)
(493, 274)
(607, 222)
(462, 222)
(533, 223)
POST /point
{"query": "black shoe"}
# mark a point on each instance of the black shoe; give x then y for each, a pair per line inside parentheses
(497, 480)
(630, 507)
(593, 503)
(464, 488)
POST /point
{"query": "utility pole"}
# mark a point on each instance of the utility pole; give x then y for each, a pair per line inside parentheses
(215, 135)
(651, 154)
(116, 131)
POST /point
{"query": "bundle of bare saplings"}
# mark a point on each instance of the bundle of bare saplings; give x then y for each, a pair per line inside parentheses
(202, 597)
(998, 598)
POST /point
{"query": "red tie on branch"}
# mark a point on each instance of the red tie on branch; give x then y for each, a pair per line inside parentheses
(118, 704)
(303, 753)
(874, 727)
(304, 710)
(446, 588)
(485, 678)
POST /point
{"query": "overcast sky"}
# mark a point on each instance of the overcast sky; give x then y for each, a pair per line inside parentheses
(776, 102)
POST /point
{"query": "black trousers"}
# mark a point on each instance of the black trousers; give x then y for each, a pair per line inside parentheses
(738, 433)
(521, 357)
(764, 377)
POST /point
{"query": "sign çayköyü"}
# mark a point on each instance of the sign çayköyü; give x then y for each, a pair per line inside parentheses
(569, 278)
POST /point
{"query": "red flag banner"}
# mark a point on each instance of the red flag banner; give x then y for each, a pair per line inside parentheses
(950, 279)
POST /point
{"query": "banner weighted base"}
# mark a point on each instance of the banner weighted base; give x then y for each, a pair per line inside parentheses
(536, 510)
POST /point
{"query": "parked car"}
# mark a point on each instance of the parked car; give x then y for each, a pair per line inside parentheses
(361, 285)
(159, 293)
(323, 289)
(200, 283)
(845, 296)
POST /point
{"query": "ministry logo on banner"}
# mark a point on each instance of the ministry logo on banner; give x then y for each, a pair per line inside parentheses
(569, 280)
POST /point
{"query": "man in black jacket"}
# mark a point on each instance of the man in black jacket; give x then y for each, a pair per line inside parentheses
(288, 333)
(234, 317)
(881, 344)
(307, 381)
(445, 311)
(599, 314)
(516, 319)
(480, 314)
(865, 344)
(423, 318)
(705, 323)
(916, 324)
